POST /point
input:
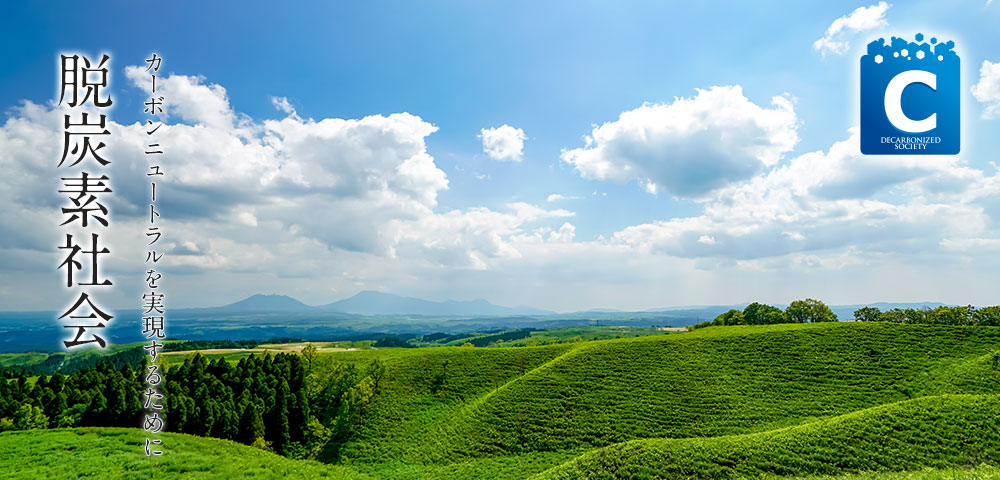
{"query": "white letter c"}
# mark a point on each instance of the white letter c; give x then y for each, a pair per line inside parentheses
(893, 101)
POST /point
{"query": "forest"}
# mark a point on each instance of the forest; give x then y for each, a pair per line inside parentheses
(264, 401)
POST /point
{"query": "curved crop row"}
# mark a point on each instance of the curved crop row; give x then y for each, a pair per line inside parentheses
(931, 432)
(704, 384)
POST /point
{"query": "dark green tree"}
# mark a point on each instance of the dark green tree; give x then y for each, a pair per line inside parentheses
(732, 317)
(760, 314)
(809, 311)
(309, 354)
(278, 432)
(989, 316)
(867, 314)
(251, 425)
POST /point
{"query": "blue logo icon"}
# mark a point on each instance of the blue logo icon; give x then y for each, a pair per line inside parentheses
(910, 98)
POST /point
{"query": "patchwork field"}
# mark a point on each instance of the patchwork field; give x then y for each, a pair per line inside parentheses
(234, 354)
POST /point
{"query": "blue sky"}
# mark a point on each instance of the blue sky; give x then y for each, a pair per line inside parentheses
(554, 70)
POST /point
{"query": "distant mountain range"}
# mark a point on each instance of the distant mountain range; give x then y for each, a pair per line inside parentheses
(377, 303)
(365, 314)
(371, 302)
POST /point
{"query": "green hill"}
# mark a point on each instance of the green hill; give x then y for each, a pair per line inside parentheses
(712, 382)
(982, 472)
(937, 432)
(797, 399)
(117, 453)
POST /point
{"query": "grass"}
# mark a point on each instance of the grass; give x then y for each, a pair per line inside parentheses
(982, 472)
(554, 335)
(518, 405)
(708, 383)
(936, 432)
(117, 453)
(22, 359)
(237, 354)
(623, 408)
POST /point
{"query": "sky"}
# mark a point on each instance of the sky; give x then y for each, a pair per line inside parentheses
(562, 155)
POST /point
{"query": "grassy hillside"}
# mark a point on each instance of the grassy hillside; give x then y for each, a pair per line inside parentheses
(793, 400)
(117, 453)
(935, 432)
(529, 337)
(425, 388)
(712, 382)
(982, 472)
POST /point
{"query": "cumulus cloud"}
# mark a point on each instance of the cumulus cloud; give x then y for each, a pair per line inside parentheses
(838, 35)
(691, 146)
(565, 233)
(504, 143)
(445, 239)
(284, 198)
(189, 98)
(313, 206)
(827, 201)
(987, 91)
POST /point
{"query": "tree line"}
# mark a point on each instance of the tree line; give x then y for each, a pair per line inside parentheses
(799, 311)
(101, 395)
(811, 311)
(296, 406)
(943, 315)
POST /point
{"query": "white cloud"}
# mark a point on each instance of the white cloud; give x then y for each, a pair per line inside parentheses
(282, 103)
(292, 198)
(504, 143)
(692, 146)
(557, 197)
(987, 91)
(313, 206)
(187, 97)
(246, 218)
(471, 237)
(565, 233)
(827, 201)
(843, 29)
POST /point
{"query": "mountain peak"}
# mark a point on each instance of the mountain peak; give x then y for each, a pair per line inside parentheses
(267, 302)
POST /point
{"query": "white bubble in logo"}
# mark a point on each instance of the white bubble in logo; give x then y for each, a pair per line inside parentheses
(920, 54)
(905, 52)
(895, 54)
(940, 57)
(878, 58)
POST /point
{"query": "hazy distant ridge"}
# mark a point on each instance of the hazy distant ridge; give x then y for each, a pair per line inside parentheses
(378, 303)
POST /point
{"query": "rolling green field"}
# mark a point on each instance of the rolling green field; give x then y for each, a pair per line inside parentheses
(718, 381)
(117, 453)
(830, 400)
(932, 431)
(552, 335)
